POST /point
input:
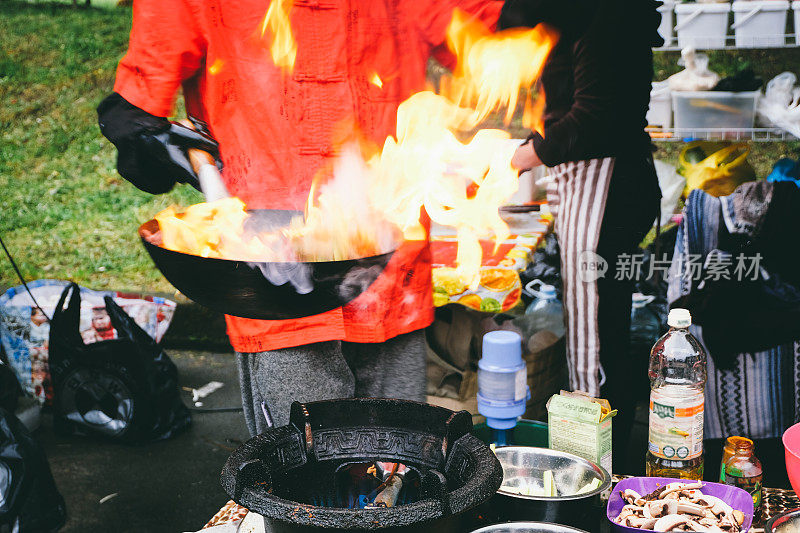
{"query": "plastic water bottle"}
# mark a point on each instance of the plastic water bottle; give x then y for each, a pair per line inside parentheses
(502, 383)
(677, 381)
(545, 313)
(645, 324)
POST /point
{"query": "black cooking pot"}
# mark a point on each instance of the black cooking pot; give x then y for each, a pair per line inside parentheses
(263, 290)
(288, 474)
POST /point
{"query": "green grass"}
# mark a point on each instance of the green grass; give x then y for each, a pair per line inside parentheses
(65, 211)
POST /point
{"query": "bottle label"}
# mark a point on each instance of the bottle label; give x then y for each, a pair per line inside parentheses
(750, 484)
(521, 385)
(676, 426)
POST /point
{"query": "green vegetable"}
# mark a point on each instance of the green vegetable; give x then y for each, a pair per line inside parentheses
(490, 305)
(589, 487)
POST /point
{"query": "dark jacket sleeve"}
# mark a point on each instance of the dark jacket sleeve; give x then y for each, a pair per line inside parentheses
(592, 110)
(570, 17)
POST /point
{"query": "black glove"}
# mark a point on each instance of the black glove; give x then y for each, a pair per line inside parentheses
(151, 149)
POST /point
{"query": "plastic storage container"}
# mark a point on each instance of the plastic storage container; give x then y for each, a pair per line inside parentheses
(702, 25)
(760, 23)
(667, 22)
(660, 111)
(696, 110)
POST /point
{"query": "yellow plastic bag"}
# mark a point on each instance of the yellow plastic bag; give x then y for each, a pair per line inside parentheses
(720, 172)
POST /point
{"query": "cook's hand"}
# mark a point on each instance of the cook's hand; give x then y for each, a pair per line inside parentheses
(525, 157)
(151, 149)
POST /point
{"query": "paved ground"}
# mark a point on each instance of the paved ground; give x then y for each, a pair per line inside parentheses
(170, 486)
(173, 486)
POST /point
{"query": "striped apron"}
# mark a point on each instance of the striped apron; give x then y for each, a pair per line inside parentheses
(577, 199)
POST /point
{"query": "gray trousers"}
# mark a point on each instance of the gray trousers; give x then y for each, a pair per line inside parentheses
(330, 370)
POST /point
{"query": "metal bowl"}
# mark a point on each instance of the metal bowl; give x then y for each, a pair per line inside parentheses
(528, 527)
(526, 465)
(786, 522)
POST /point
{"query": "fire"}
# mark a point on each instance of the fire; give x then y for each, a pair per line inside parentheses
(376, 80)
(494, 67)
(533, 115)
(436, 161)
(215, 67)
(284, 47)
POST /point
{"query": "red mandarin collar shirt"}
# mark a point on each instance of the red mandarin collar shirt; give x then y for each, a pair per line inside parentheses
(276, 129)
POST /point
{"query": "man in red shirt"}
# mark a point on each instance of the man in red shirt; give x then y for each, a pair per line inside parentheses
(275, 131)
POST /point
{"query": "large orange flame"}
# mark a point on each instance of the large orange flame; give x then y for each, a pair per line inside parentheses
(284, 47)
(371, 199)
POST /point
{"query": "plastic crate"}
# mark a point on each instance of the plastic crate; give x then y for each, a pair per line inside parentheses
(659, 113)
(714, 109)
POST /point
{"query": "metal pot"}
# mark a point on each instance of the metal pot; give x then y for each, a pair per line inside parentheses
(528, 527)
(786, 522)
(260, 290)
(524, 465)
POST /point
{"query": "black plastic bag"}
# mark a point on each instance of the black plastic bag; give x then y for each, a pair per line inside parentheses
(29, 499)
(124, 389)
(10, 390)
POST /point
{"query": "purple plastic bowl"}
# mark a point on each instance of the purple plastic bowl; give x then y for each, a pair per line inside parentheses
(733, 496)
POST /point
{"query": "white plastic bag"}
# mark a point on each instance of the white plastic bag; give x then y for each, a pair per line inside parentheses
(695, 76)
(671, 184)
(780, 105)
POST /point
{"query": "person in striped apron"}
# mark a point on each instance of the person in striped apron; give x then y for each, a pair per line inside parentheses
(604, 193)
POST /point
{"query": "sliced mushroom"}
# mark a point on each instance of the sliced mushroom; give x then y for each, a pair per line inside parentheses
(677, 487)
(641, 523)
(705, 528)
(738, 516)
(670, 522)
(659, 508)
(719, 507)
(632, 497)
(691, 508)
(656, 494)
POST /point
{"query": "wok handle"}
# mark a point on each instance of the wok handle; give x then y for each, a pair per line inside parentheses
(205, 167)
(199, 158)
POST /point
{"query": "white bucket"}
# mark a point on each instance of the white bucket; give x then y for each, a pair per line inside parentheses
(702, 25)
(760, 23)
(667, 22)
(796, 9)
(660, 111)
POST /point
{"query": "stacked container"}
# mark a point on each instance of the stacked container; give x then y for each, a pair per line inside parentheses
(667, 21)
(703, 25)
(760, 23)
(796, 10)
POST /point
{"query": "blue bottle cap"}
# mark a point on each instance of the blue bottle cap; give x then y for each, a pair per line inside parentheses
(501, 349)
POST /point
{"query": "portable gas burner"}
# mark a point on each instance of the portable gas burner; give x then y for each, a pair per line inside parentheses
(362, 465)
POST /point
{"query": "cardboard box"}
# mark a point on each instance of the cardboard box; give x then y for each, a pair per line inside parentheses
(581, 425)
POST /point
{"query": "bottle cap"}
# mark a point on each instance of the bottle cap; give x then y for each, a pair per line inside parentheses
(679, 318)
(548, 291)
(502, 349)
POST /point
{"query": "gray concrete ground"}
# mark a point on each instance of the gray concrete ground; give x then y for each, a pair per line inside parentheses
(170, 486)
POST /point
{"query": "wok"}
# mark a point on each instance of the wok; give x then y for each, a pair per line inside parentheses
(263, 290)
